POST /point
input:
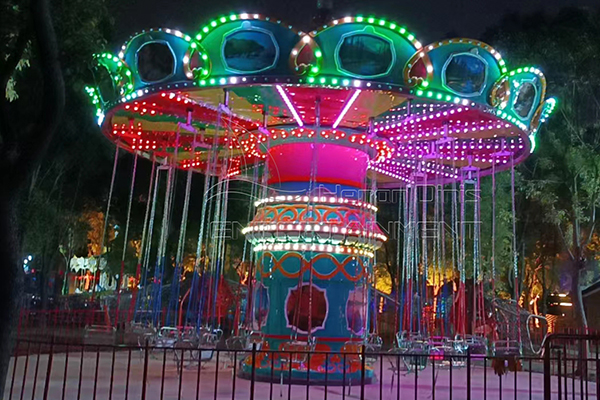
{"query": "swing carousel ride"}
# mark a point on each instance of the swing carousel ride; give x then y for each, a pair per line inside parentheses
(318, 122)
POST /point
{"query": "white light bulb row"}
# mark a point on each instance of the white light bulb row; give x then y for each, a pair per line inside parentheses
(430, 167)
(314, 228)
(314, 247)
(424, 118)
(391, 174)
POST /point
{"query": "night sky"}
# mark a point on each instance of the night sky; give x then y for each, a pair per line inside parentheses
(428, 19)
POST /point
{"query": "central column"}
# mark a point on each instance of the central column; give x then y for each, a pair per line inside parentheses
(315, 238)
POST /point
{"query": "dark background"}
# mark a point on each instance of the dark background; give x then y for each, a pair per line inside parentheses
(429, 20)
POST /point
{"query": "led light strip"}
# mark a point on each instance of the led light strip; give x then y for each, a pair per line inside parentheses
(289, 104)
(391, 174)
(346, 108)
(316, 199)
(317, 242)
(314, 247)
(313, 228)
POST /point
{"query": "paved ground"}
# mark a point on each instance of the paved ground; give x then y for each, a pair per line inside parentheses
(73, 380)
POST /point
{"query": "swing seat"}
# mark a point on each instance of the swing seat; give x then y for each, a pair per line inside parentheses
(416, 358)
(373, 346)
(255, 337)
(441, 352)
(167, 337)
(296, 352)
(210, 338)
(353, 353)
(458, 352)
(239, 345)
(402, 341)
(477, 345)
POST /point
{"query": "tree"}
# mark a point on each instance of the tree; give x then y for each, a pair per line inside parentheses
(31, 105)
(23, 143)
(562, 178)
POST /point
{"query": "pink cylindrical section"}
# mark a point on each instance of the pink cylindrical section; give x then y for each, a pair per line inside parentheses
(335, 164)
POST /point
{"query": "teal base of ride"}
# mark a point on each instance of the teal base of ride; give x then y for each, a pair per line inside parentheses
(313, 377)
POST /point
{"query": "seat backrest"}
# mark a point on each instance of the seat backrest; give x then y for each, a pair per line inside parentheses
(299, 350)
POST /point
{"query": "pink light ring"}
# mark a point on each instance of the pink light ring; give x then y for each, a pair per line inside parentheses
(430, 148)
(330, 200)
(413, 131)
(436, 168)
(292, 162)
(415, 121)
(379, 148)
(260, 140)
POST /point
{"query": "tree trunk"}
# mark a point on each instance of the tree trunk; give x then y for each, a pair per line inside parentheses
(544, 310)
(579, 317)
(12, 279)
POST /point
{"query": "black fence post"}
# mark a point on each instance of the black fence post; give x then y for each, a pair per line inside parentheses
(547, 371)
(145, 374)
(49, 369)
(253, 376)
(469, 373)
(362, 373)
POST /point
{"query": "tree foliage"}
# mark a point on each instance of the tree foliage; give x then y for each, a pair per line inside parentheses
(561, 180)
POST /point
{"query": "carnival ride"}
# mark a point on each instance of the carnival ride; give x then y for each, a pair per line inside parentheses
(317, 123)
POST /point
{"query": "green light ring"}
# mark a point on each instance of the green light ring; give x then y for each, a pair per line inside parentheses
(206, 29)
(117, 68)
(173, 32)
(543, 112)
(537, 99)
(530, 70)
(414, 81)
(303, 69)
(376, 22)
(442, 97)
(96, 102)
(496, 100)
(447, 98)
(527, 74)
(369, 31)
(206, 64)
(495, 54)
